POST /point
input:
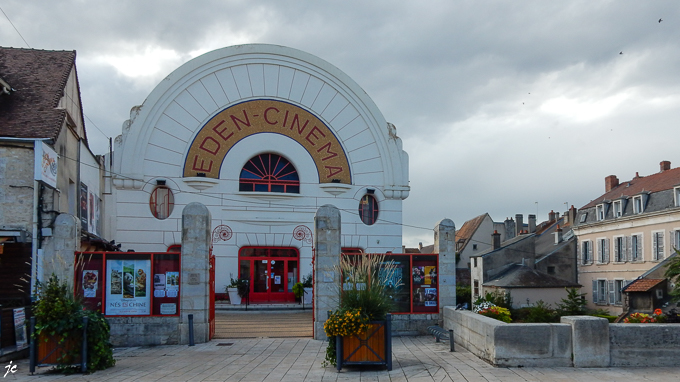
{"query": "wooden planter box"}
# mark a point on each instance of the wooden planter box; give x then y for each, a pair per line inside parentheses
(51, 352)
(47, 351)
(372, 348)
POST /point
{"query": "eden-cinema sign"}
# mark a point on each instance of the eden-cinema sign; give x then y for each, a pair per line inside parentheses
(222, 132)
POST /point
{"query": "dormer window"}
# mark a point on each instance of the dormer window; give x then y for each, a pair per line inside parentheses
(600, 212)
(618, 211)
(638, 207)
(676, 192)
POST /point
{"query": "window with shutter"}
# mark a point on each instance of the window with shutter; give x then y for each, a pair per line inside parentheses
(612, 293)
(602, 291)
(590, 252)
(606, 251)
(629, 250)
(595, 300)
(618, 296)
(676, 239)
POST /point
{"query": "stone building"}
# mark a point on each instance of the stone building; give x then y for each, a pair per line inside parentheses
(625, 232)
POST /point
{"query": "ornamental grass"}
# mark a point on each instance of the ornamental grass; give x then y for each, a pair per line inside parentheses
(362, 297)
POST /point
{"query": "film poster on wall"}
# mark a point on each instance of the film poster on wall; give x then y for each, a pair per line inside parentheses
(127, 287)
(20, 328)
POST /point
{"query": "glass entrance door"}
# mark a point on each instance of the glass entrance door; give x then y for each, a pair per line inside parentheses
(272, 271)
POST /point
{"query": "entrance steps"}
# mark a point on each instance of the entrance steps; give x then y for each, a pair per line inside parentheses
(292, 308)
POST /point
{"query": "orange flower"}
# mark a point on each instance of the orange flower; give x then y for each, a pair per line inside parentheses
(658, 312)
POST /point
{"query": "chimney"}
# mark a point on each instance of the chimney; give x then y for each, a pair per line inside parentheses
(509, 228)
(403, 248)
(519, 224)
(532, 223)
(420, 246)
(571, 215)
(551, 215)
(495, 240)
(558, 235)
(611, 182)
(665, 165)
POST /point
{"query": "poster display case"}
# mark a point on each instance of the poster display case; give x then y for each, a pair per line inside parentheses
(129, 284)
(414, 287)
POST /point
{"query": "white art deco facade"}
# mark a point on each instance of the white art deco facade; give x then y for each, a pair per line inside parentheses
(262, 135)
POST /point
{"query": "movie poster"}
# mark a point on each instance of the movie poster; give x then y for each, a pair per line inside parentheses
(83, 207)
(418, 275)
(91, 208)
(430, 275)
(171, 284)
(20, 328)
(430, 297)
(127, 287)
(90, 282)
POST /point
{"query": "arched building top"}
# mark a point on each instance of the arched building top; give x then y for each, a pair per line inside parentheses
(181, 119)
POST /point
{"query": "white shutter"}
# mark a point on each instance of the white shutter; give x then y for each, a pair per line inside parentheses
(655, 255)
(600, 251)
(640, 248)
(673, 233)
(661, 246)
(629, 247)
(590, 252)
(606, 250)
(616, 250)
(594, 291)
(623, 248)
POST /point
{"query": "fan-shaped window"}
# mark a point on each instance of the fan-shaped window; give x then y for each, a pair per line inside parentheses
(269, 173)
(162, 202)
(368, 209)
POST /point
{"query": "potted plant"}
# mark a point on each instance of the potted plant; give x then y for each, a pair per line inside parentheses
(307, 283)
(59, 328)
(359, 332)
(237, 289)
(298, 290)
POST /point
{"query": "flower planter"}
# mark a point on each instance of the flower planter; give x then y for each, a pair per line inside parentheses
(51, 352)
(234, 298)
(374, 347)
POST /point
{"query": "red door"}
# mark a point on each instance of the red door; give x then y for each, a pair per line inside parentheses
(272, 273)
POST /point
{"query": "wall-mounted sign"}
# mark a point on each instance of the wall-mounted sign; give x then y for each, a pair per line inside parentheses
(46, 164)
(215, 139)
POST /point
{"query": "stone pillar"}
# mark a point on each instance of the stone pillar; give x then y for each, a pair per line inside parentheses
(59, 252)
(195, 272)
(327, 258)
(590, 340)
(445, 246)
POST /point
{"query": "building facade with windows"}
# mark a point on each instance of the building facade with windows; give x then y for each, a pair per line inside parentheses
(625, 232)
(262, 135)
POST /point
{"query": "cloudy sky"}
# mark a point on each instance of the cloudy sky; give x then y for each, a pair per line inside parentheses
(504, 107)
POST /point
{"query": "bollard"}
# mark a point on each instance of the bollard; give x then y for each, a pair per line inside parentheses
(33, 352)
(451, 340)
(83, 353)
(191, 330)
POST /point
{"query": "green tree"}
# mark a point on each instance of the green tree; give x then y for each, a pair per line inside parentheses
(573, 305)
(673, 275)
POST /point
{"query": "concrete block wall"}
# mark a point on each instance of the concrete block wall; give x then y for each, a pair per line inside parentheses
(412, 324)
(644, 344)
(579, 341)
(510, 345)
(144, 331)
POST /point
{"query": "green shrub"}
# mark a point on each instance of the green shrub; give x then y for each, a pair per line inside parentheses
(573, 305)
(463, 294)
(541, 312)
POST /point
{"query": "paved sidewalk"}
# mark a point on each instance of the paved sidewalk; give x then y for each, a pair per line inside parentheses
(415, 359)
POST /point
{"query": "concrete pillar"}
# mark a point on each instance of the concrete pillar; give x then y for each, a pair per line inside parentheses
(445, 246)
(195, 273)
(59, 252)
(590, 340)
(327, 258)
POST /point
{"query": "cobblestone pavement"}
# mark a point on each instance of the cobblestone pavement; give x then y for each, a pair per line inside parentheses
(299, 359)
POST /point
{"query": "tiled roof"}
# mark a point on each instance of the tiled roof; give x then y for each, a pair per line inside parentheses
(642, 285)
(39, 78)
(521, 276)
(652, 183)
(468, 229)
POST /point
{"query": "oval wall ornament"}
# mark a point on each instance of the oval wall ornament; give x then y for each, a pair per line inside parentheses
(224, 130)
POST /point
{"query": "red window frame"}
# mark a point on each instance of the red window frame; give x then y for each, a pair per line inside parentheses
(274, 172)
(368, 209)
(162, 210)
